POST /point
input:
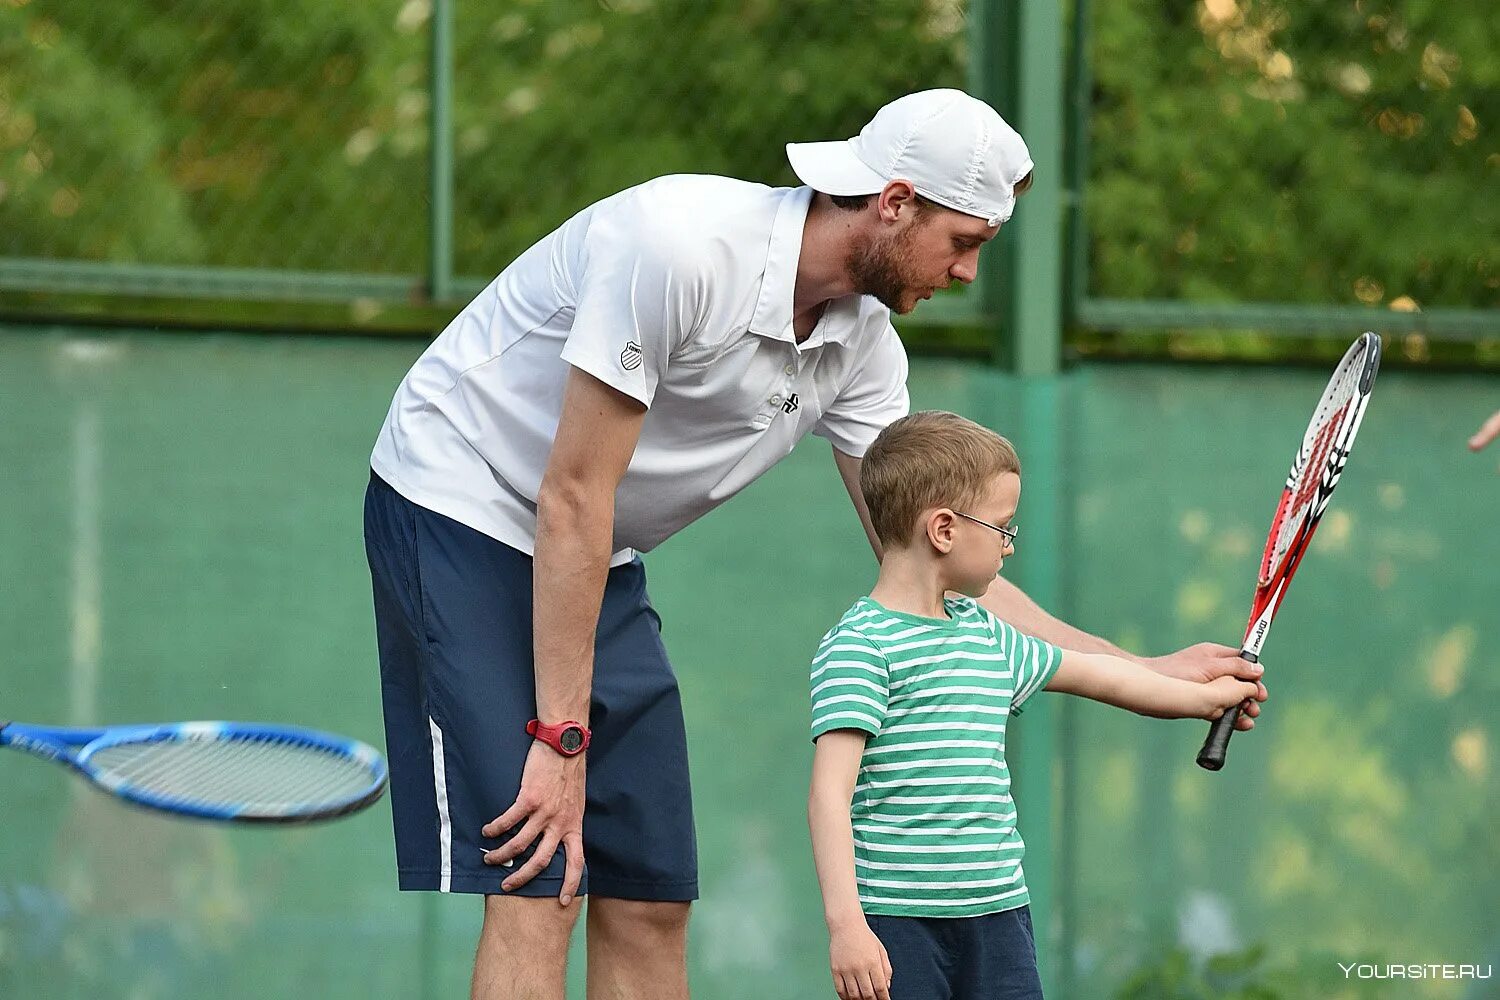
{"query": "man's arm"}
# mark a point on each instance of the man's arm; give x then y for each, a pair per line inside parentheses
(596, 437)
(1201, 662)
(1010, 604)
(1488, 431)
(848, 467)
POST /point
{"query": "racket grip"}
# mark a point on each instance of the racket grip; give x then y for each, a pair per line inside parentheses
(1211, 757)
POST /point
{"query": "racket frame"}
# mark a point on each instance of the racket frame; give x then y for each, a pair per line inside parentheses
(76, 746)
(1273, 581)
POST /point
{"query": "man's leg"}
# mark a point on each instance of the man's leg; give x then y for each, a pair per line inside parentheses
(523, 949)
(637, 950)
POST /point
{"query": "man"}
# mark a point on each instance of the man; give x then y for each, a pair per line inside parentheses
(627, 374)
(1488, 431)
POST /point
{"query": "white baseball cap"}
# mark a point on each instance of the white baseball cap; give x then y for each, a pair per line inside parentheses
(955, 150)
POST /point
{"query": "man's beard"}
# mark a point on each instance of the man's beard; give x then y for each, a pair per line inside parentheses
(879, 267)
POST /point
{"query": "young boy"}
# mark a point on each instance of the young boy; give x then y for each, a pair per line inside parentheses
(913, 828)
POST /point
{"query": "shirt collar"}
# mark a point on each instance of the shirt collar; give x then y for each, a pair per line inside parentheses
(773, 309)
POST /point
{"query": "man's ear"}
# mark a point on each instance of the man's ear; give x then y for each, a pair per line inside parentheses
(896, 201)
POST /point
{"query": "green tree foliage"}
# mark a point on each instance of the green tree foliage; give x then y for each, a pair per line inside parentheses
(1262, 150)
(189, 132)
(562, 104)
(1241, 149)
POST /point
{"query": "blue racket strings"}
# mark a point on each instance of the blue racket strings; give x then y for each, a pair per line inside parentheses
(244, 773)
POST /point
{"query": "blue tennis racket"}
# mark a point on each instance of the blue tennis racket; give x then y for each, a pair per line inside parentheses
(228, 771)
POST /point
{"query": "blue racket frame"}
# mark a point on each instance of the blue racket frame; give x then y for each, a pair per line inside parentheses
(75, 746)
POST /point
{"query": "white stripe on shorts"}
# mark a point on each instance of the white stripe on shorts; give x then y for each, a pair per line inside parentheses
(445, 826)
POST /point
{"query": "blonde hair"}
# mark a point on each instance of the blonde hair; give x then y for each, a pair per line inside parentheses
(929, 459)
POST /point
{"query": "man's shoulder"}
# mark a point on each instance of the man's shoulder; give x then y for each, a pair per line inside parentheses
(692, 215)
(710, 188)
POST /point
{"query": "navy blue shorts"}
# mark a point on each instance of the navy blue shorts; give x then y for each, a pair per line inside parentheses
(992, 957)
(453, 622)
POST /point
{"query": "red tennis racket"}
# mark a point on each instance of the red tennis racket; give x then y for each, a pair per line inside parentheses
(1315, 472)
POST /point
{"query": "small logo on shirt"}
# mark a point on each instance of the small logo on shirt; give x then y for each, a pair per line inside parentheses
(630, 358)
(790, 406)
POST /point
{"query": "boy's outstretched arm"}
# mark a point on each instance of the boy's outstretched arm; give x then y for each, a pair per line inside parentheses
(1199, 662)
(1126, 684)
(861, 968)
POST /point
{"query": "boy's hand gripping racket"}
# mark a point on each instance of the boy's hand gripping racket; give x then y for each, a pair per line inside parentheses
(1315, 472)
(227, 771)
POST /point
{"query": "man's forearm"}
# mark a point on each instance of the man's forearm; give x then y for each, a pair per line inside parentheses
(1009, 603)
(569, 568)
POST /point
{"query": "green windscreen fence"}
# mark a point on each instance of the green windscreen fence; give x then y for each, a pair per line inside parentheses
(182, 540)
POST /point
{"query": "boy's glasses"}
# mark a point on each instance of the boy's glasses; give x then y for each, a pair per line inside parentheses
(1009, 533)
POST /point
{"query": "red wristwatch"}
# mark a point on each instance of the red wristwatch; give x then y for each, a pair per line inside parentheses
(568, 738)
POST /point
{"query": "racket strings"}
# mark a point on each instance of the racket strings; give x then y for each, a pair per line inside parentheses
(262, 775)
(1324, 433)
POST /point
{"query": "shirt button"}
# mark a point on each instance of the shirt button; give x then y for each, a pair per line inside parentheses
(775, 400)
(790, 370)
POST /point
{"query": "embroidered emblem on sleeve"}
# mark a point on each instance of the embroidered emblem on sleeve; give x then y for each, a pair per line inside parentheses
(630, 358)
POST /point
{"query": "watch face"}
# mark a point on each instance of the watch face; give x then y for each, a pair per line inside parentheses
(571, 739)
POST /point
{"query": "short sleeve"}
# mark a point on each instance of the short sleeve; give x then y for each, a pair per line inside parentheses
(1033, 661)
(638, 300)
(850, 684)
(873, 400)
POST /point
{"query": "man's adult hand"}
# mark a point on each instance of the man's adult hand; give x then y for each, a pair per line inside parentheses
(551, 802)
(1208, 660)
(1487, 432)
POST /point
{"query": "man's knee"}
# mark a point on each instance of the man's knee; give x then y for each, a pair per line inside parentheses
(530, 922)
(641, 921)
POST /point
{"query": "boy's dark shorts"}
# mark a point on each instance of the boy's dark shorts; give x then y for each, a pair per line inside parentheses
(453, 622)
(992, 957)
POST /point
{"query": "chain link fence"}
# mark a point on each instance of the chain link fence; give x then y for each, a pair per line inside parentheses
(1275, 151)
(1225, 152)
(245, 135)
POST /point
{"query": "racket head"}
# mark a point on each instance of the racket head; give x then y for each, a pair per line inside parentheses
(1316, 469)
(234, 771)
(1320, 458)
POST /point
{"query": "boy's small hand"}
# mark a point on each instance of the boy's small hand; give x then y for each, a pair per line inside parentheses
(861, 968)
(1206, 661)
(1226, 692)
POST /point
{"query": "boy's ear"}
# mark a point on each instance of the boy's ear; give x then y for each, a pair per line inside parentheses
(940, 524)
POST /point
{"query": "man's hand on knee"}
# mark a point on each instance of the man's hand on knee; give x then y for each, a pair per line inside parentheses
(551, 804)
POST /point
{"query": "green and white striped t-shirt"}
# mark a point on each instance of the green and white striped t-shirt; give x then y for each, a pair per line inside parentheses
(934, 824)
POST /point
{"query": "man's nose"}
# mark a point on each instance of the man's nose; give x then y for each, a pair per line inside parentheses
(967, 268)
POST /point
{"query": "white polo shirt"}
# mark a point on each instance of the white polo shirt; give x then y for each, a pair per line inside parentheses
(677, 293)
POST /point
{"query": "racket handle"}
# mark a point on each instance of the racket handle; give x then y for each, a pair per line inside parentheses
(1211, 757)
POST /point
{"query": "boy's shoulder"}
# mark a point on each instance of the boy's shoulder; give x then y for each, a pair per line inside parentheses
(969, 612)
(861, 618)
(868, 622)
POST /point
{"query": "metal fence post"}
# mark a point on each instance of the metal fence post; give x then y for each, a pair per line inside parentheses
(1021, 65)
(440, 221)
